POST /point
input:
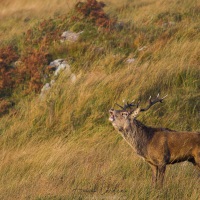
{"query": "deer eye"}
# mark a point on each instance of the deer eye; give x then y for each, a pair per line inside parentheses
(111, 111)
(124, 114)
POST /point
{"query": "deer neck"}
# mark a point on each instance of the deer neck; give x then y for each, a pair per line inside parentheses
(135, 133)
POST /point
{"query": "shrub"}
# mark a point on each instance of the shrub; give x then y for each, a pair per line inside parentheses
(5, 105)
(8, 55)
(93, 11)
(33, 70)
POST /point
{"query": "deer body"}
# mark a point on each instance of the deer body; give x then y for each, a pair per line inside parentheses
(158, 146)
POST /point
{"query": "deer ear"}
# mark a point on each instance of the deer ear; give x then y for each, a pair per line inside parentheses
(125, 114)
(135, 113)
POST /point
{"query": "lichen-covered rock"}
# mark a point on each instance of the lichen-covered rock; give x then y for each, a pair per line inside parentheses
(59, 65)
(70, 36)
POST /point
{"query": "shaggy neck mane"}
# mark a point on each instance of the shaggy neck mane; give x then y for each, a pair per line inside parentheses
(138, 136)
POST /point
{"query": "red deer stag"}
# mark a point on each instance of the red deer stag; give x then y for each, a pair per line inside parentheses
(158, 146)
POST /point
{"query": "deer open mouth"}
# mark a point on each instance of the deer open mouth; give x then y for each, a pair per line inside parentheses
(111, 118)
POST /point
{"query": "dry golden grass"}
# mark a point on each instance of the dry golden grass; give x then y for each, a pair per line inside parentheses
(17, 16)
(78, 154)
(64, 147)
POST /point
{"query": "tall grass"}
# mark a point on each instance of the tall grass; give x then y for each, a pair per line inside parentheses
(63, 147)
(17, 16)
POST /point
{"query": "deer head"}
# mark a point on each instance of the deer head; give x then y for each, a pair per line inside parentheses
(121, 118)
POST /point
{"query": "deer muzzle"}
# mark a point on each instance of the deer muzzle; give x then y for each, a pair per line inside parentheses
(112, 117)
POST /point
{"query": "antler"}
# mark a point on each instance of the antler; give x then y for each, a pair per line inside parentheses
(152, 102)
(127, 105)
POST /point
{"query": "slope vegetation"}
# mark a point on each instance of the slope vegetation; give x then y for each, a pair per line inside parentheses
(62, 146)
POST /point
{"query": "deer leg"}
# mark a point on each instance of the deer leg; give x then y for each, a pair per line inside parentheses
(197, 161)
(198, 168)
(161, 173)
(197, 165)
(154, 174)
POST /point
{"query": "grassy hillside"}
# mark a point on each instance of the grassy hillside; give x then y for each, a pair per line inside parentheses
(63, 147)
(17, 16)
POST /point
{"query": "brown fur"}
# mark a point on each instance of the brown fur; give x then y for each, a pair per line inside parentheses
(158, 146)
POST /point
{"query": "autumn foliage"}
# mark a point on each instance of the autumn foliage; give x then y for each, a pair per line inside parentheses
(8, 55)
(5, 105)
(32, 69)
(93, 10)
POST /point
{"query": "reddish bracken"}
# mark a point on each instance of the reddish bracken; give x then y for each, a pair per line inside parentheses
(33, 69)
(8, 55)
(93, 10)
(5, 105)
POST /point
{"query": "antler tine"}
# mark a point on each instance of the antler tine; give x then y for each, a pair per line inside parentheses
(131, 104)
(161, 99)
(133, 101)
(127, 104)
(165, 96)
(119, 105)
(152, 102)
(138, 103)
